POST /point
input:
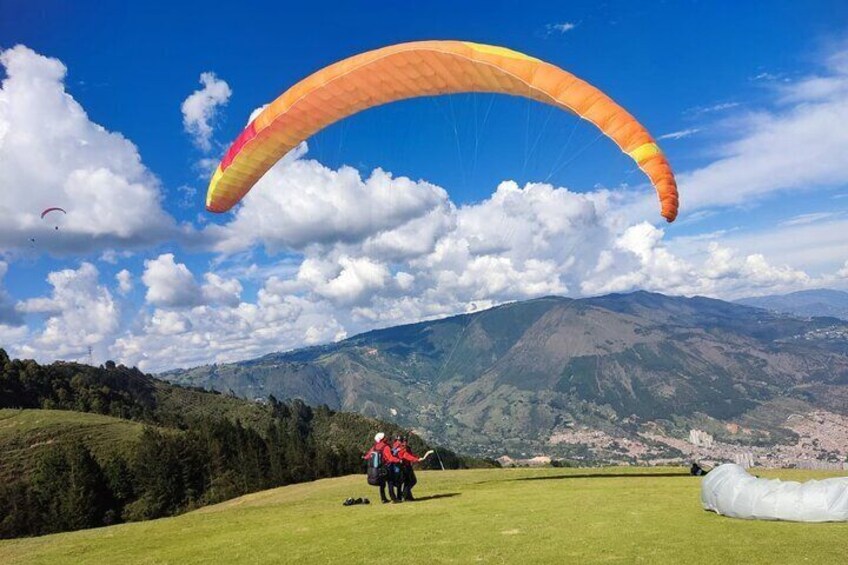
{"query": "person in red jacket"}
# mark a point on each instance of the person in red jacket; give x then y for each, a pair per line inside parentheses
(408, 479)
(387, 458)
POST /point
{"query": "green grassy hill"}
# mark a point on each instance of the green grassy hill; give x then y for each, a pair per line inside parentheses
(84, 446)
(25, 434)
(617, 515)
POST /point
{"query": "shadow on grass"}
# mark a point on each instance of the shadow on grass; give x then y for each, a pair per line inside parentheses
(603, 476)
(435, 496)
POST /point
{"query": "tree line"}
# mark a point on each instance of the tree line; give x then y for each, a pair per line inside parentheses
(179, 462)
(168, 471)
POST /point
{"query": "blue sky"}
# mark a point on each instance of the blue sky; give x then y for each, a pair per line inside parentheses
(746, 102)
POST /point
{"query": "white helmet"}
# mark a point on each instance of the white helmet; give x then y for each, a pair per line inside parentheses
(379, 437)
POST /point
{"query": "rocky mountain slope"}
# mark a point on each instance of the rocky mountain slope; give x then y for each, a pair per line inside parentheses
(536, 377)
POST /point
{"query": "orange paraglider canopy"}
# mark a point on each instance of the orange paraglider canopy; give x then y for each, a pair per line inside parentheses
(425, 68)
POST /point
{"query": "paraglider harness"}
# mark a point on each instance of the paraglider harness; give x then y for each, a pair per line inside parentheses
(395, 468)
(377, 471)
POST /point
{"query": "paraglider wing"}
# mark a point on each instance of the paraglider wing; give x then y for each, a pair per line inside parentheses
(54, 209)
(425, 68)
(730, 491)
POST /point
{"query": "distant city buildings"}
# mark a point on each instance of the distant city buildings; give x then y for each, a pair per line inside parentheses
(700, 438)
(822, 443)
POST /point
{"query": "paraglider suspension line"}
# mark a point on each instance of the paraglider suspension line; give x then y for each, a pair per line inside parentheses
(440, 459)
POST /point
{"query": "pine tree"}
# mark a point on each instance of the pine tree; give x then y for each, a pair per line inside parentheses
(120, 480)
(48, 488)
(18, 510)
(158, 472)
(87, 496)
(70, 490)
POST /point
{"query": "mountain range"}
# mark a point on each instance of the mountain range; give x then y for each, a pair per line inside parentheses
(623, 377)
(805, 303)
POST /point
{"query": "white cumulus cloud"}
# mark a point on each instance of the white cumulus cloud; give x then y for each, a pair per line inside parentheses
(125, 281)
(170, 283)
(301, 202)
(227, 330)
(51, 154)
(201, 107)
(219, 290)
(80, 313)
(641, 259)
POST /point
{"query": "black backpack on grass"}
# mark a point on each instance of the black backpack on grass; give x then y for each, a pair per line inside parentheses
(376, 472)
(697, 471)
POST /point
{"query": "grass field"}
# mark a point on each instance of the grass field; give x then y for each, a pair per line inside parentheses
(612, 515)
(23, 434)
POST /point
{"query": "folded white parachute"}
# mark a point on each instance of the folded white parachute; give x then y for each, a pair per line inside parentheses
(731, 491)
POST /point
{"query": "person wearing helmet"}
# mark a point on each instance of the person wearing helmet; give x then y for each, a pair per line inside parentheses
(382, 451)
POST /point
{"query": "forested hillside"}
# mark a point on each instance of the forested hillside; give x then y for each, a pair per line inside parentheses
(84, 446)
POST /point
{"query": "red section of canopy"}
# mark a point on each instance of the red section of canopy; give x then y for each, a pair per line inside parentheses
(245, 136)
(48, 210)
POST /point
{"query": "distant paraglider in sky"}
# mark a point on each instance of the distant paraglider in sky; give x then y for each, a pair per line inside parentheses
(52, 212)
(425, 68)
